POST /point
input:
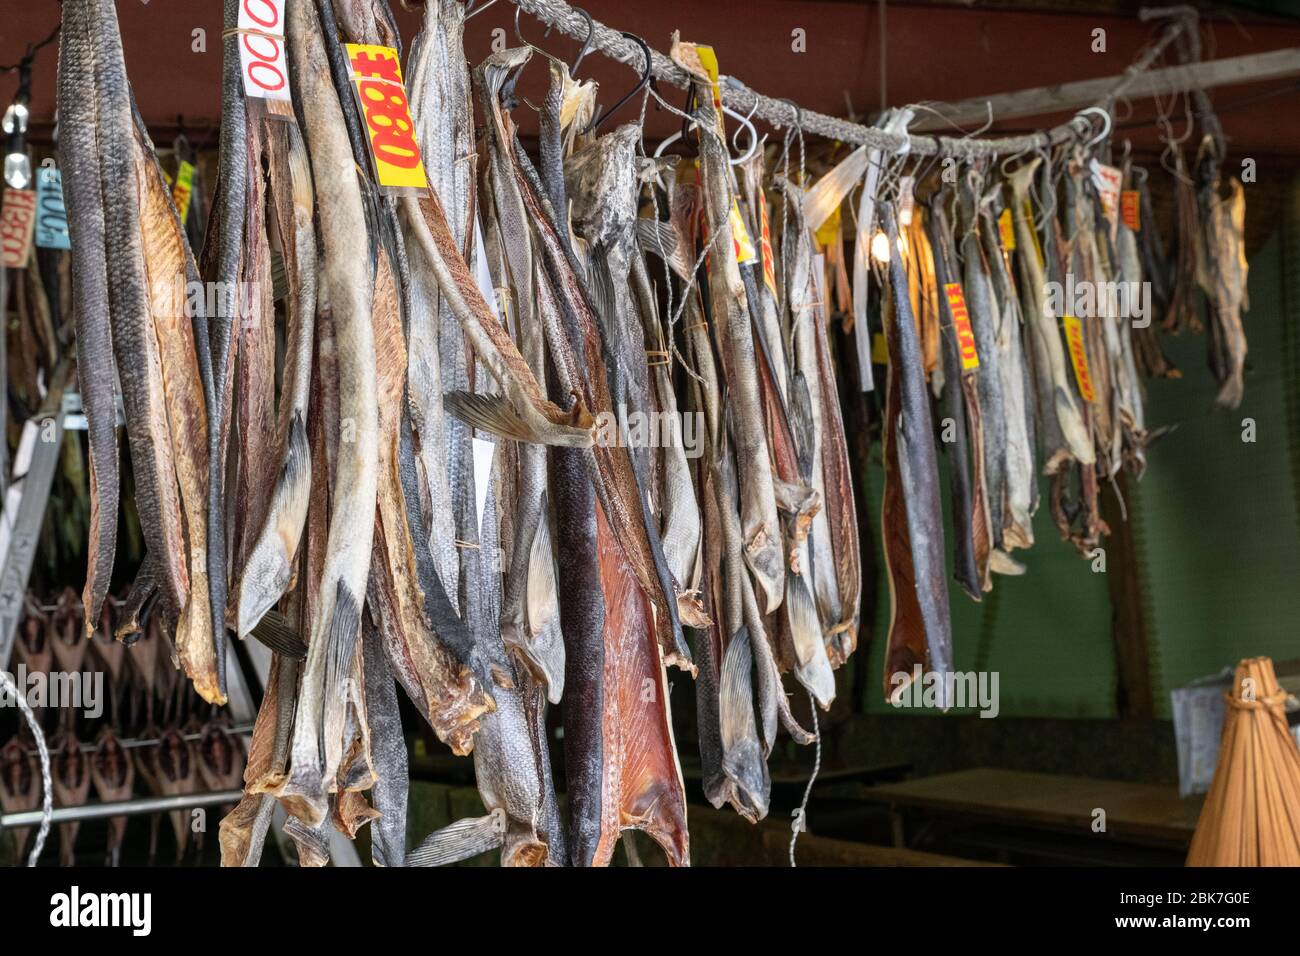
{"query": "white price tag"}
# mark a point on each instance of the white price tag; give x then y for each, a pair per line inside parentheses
(262, 59)
(1109, 182)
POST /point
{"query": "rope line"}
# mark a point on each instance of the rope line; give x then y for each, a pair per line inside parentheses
(778, 113)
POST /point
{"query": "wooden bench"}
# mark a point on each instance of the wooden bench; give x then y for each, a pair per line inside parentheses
(1135, 813)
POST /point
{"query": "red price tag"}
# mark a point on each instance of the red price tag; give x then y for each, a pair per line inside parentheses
(17, 222)
(1130, 207)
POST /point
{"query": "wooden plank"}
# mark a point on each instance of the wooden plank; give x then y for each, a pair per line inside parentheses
(723, 838)
(1063, 97)
(1135, 812)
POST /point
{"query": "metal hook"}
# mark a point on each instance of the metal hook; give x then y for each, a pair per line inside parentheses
(536, 49)
(587, 44)
(641, 84)
(472, 8)
(746, 123)
(1106, 123)
(755, 141)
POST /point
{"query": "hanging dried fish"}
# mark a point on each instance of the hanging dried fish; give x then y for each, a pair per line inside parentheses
(349, 280)
(1221, 272)
(81, 101)
(920, 628)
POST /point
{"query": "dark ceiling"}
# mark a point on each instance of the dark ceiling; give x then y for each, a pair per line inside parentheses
(943, 50)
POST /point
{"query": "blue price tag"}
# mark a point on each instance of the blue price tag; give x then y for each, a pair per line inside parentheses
(51, 217)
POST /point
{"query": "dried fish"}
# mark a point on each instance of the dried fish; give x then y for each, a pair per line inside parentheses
(920, 628)
(80, 105)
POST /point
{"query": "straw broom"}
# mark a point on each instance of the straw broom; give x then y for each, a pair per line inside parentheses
(1251, 815)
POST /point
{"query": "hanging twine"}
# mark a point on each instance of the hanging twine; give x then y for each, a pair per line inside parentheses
(800, 815)
(47, 786)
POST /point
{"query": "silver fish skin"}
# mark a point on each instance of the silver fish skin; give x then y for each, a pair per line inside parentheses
(981, 305)
(529, 619)
(919, 472)
(233, 175)
(512, 775)
(438, 84)
(762, 529)
(336, 625)
(1064, 434)
(1131, 402)
(79, 157)
(680, 527)
(813, 572)
(1017, 526)
(269, 567)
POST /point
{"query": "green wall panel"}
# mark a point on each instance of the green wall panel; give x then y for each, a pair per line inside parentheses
(1217, 514)
(1216, 523)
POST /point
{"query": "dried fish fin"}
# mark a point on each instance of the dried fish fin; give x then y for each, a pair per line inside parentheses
(139, 602)
(460, 840)
(539, 644)
(269, 568)
(312, 842)
(541, 418)
(813, 667)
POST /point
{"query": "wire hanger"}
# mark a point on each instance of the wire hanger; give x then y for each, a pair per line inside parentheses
(646, 79)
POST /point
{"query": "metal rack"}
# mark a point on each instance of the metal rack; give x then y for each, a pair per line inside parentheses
(23, 513)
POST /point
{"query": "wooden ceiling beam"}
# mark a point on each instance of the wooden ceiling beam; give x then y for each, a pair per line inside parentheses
(1063, 97)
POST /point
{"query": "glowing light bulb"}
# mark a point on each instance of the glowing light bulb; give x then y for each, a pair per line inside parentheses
(16, 117)
(880, 248)
(18, 171)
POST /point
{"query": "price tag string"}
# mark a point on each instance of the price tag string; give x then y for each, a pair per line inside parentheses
(252, 32)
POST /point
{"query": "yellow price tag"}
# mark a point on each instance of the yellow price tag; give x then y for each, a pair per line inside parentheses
(1079, 357)
(828, 231)
(377, 79)
(1007, 231)
(970, 358)
(183, 188)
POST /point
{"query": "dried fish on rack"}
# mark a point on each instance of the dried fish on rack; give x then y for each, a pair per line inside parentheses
(418, 440)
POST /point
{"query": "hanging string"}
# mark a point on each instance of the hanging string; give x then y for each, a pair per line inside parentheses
(43, 753)
(801, 813)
